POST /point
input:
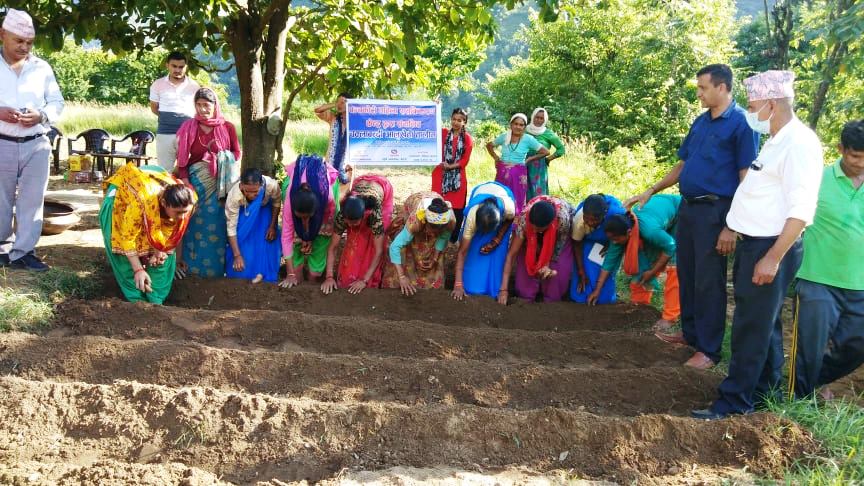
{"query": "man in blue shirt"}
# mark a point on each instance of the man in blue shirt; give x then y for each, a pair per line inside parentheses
(713, 159)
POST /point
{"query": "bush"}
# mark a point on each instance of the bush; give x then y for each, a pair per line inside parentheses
(618, 73)
(485, 131)
(93, 75)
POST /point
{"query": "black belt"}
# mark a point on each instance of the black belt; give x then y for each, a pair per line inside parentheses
(756, 238)
(705, 199)
(20, 139)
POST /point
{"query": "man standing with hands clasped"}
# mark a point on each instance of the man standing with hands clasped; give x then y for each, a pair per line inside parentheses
(713, 159)
(771, 207)
(30, 101)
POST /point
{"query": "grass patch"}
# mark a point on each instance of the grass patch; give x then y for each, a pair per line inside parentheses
(59, 284)
(23, 311)
(28, 305)
(839, 426)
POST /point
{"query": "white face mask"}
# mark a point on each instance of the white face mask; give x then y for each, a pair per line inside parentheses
(759, 126)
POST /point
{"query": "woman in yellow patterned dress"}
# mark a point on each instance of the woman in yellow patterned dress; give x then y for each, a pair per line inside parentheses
(143, 218)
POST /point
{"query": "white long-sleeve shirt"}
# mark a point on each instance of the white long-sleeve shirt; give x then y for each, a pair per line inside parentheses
(35, 88)
(782, 183)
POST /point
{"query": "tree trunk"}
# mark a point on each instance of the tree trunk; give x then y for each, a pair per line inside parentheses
(829, 72)
(259, 145)
(836, 54)
(783, 14)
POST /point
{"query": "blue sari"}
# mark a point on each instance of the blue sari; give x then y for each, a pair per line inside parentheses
(206, 237)
(608, 294)
(259, 255)
(481, 274)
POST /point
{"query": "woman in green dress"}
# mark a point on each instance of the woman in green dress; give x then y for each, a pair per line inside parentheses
(538, 170)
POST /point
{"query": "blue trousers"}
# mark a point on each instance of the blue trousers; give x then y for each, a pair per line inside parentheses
(702, 274)
(826, 314)
(756, 365)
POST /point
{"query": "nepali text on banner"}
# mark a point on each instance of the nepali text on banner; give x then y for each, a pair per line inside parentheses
(387, 132)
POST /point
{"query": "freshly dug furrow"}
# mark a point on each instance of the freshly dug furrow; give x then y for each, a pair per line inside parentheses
(427, 305)
(341, 378)
(299, 331)
(242, 437)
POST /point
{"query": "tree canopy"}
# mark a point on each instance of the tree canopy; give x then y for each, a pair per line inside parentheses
(301, 48)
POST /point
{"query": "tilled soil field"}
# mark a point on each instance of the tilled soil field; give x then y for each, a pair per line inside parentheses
(230, 384)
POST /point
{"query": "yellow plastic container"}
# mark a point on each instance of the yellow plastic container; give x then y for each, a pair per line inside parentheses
(74, 163)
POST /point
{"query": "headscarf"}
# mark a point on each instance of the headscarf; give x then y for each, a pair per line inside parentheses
(216, 120)
(431, 217)
(634, 244)
(537, 129)
(534, 263)
(510, 131)
(222, 138)
(310, 169)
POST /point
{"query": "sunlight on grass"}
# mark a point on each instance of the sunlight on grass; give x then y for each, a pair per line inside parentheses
(27, 300)
(23, 311)
(839, 426)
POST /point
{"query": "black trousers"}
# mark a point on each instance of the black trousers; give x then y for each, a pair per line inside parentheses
(702, 274)
(756, 366)
(826, 315)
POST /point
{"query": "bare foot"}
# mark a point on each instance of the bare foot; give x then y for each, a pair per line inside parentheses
(663, 325)
(826, 393)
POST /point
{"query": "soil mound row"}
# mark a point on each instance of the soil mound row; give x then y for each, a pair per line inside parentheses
(428, 305)
(298, 331)
(104, 472)
(241, 437)
(334, 378)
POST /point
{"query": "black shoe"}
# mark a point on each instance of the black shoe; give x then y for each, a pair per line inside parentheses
(4, 261)
(707, 414)
(29, 262)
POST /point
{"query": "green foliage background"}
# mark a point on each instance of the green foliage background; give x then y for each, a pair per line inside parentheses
(95, 75)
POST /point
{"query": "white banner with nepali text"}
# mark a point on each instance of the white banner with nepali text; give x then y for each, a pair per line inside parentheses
(388, 132)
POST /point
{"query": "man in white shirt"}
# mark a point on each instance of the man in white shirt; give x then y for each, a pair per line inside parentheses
(30, 101)
(172, 99)
(772, 206)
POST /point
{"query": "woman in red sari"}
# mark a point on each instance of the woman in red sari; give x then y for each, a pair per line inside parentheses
(366, 213)
(448, 178)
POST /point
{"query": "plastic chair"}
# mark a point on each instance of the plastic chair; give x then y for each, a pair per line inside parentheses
(94, 144)
(138, 152)
(54, 136)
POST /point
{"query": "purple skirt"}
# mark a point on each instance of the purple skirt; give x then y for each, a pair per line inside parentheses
(553, 289)
(514, 176)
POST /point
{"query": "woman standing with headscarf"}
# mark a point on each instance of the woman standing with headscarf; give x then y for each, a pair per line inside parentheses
(307, 216)
(208, 154)
(510, 165)
(448, 178)
(538, 169)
